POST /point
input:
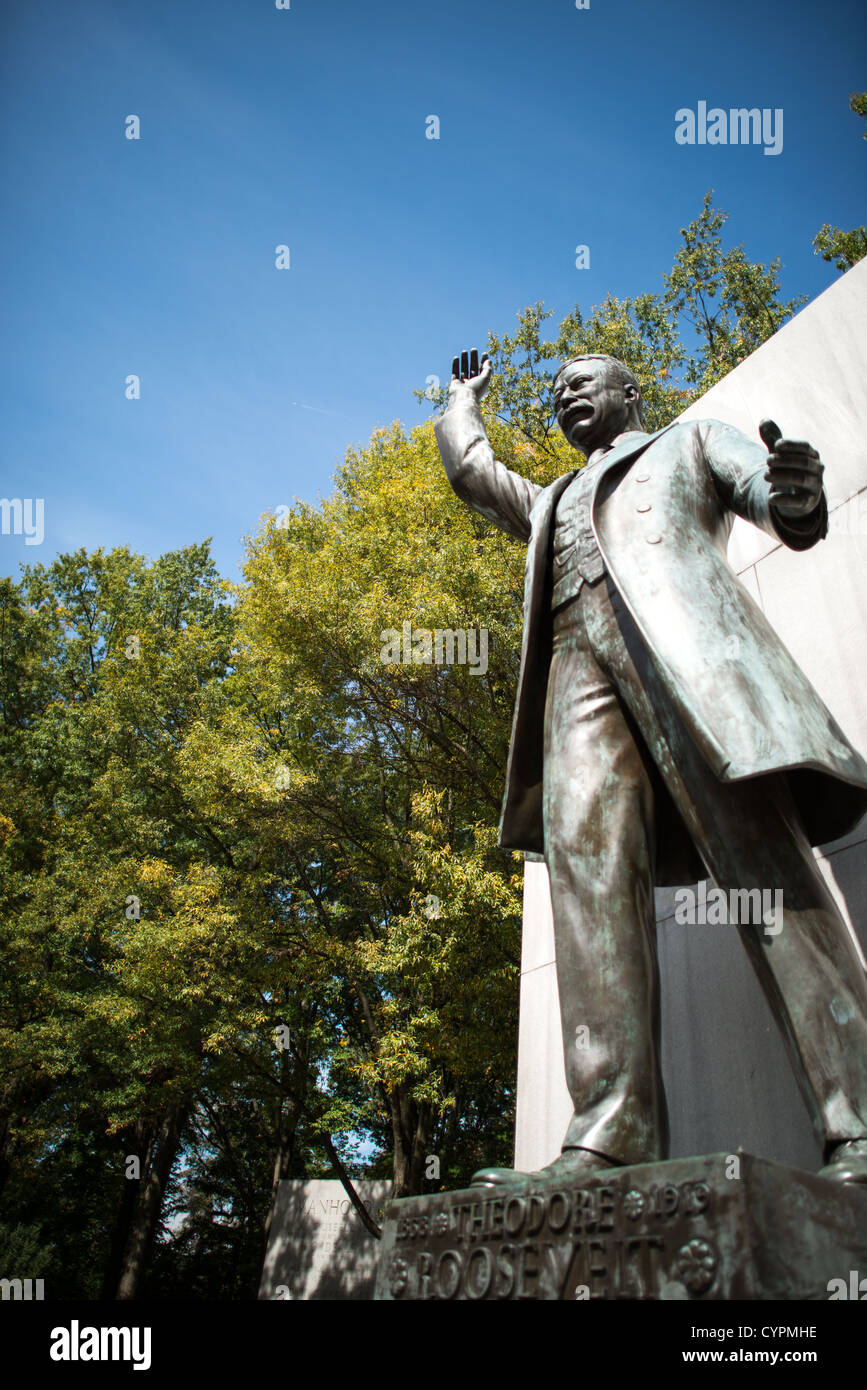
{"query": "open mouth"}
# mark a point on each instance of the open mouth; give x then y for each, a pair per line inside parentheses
(577, 414)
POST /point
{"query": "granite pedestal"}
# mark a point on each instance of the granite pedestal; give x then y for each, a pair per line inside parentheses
(714, 1228)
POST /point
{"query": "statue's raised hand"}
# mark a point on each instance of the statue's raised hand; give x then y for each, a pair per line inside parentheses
(466, 372)
(794, 473)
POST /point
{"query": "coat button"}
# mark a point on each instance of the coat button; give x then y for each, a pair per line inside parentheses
(642, 477)
(653, 538)
(645, 507)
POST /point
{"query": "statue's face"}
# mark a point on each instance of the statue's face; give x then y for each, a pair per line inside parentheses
(591, 405)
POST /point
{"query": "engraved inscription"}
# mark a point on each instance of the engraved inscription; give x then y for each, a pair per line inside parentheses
(605, 1240)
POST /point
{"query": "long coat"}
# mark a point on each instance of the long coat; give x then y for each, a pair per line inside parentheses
(662, 509)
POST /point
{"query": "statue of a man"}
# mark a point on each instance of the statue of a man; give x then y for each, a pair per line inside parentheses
(663, 734)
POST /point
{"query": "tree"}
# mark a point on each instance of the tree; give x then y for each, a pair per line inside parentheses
(730, 304)
(845, 249)
(388, 775)
(123, 951)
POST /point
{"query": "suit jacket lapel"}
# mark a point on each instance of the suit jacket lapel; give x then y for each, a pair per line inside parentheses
(627, 449)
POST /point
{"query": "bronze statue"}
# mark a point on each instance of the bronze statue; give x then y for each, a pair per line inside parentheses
(662, 734)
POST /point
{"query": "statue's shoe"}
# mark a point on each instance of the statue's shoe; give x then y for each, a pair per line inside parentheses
(572, 1163)
(848, 1162)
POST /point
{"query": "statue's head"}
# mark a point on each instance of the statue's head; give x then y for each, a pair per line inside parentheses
(595, 399)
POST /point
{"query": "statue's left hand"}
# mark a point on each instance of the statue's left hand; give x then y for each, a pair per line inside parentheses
(794, 473)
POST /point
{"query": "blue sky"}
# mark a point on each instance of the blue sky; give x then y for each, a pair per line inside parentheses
(306, 127)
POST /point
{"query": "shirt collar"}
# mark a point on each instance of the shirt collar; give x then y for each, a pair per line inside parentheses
(599, 454)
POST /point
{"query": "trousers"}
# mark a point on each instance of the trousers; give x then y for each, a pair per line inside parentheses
(611, 733)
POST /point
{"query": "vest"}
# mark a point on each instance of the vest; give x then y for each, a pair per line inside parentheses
(576, 556)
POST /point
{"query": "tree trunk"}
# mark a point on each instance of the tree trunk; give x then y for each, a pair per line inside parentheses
(139, 1140)
(287, 1126)
(149, 1202)
(412, 1126)
(448, 1134)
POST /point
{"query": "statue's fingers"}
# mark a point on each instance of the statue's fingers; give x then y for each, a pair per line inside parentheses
(769, 433)
(783, 476)
(456, 367)
(474, 362)
(465, 365)
(795, 446)
(810, 469)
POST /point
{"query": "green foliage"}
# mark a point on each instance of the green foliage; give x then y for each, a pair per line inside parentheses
(23, 1255)
(730, 304)
(858, 106)
(845, 249)
(389, 775)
